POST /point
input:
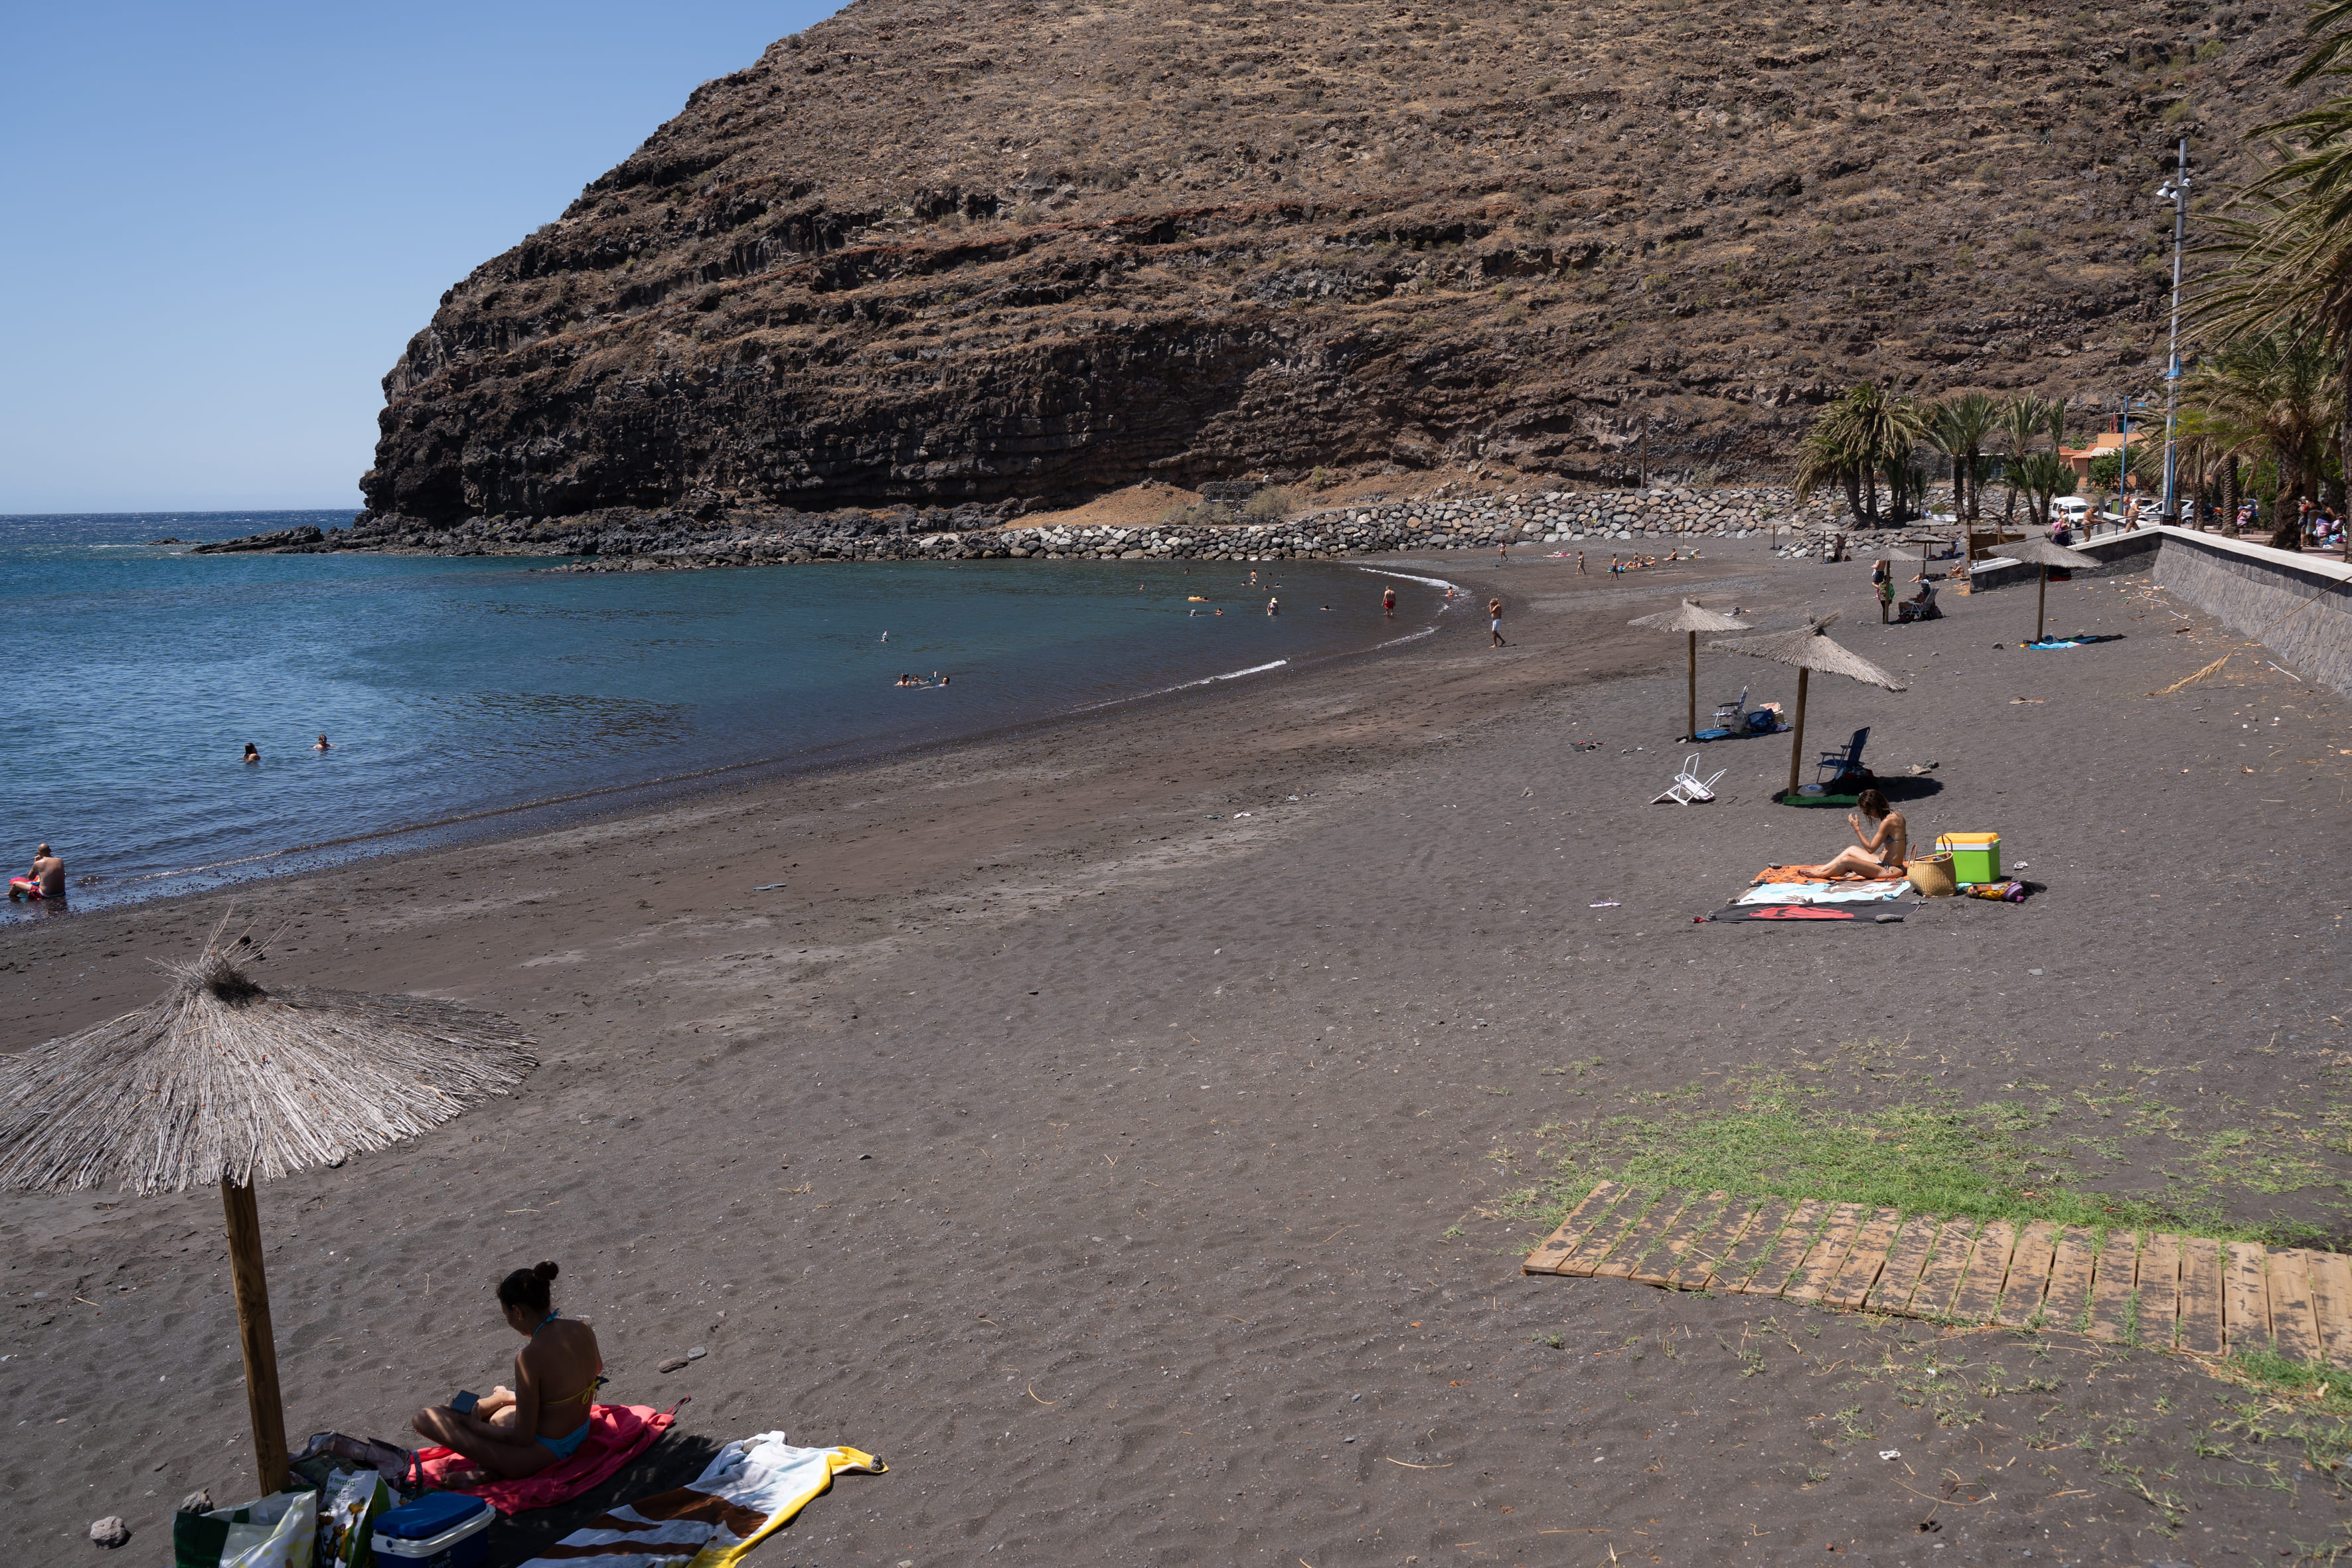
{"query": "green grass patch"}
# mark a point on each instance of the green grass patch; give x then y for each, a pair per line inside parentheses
(1771, 1134)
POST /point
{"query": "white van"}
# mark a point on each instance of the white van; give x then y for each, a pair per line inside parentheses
(2070, 510)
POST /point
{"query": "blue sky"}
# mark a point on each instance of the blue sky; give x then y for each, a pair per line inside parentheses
(223, 221)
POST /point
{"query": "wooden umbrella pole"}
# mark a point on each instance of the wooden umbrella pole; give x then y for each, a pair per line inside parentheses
(261, 1397)
(1692, 733)
(1797, 744)
(2040, 599)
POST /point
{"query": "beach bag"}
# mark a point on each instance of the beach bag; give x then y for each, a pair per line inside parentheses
(1932, 876)
(280, 1531)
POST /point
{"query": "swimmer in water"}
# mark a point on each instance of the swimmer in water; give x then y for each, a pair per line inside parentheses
(1274, 606)
(252, 755)
(324, 744)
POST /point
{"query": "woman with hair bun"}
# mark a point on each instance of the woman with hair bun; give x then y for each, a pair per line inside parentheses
(543, 1418)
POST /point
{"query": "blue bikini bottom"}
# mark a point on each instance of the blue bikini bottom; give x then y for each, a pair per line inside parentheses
(563, 1447)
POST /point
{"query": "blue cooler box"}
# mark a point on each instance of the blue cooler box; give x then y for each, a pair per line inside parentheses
(446, 1530)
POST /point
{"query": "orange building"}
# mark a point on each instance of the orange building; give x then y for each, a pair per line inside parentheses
(2080, 458)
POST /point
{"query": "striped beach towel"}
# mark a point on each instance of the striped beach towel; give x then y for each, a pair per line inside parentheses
(752, 1488)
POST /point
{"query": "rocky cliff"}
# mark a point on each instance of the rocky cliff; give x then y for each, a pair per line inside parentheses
(1000, 254)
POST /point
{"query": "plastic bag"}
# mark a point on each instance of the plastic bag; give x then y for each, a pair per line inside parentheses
(347, 1512)
(280, 1531)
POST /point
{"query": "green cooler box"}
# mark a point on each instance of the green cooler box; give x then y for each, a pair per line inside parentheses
(1976, 856)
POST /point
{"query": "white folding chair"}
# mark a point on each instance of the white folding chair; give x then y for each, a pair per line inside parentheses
(1689, 787)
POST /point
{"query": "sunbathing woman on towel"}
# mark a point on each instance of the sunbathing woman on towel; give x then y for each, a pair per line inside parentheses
(1883, 853)
(544, 1417)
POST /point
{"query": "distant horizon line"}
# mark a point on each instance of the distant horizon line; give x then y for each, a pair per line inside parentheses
(183, 511)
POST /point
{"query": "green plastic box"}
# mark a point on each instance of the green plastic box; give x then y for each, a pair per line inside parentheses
(1976, 856)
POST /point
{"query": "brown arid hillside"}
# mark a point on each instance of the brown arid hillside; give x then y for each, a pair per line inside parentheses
(1010, 254)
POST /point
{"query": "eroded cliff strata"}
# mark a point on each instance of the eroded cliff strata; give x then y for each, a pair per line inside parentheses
(992, 256)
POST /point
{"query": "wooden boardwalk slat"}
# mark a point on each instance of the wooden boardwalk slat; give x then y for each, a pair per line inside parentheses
(1820, 1264)
(1627, 1254)
(2200, 1297)
(2029, 1276)
(1772, 1275)
(2158, 1321)
(1666, 1252)
(2331, 1303)
(2067, 1304)
(1864, 1260)
(1913, 1244)
(1698, 1262)
(1978, 1295)
(2115, 1289)
(1763, 1232)
(2165, 1291)
(1939, 1282)
(1557, 1248)
(2291, 1323)
(1604, 1236)
(2245, 1298)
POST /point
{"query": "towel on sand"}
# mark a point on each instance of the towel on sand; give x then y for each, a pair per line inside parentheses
(1855, 892)
(617, 1433)
(752, 1488)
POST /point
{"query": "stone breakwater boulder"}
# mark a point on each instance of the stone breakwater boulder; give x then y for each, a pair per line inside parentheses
(623, 539)
(285, 541)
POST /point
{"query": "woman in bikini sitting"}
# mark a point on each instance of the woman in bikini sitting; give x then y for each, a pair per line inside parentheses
(1883, 853)
(543, 1419)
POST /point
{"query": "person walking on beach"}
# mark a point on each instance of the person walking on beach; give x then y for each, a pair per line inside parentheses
(1388, 603)
(1495, 623)
(1882, 582)
(1503, 554)
(1580, 563)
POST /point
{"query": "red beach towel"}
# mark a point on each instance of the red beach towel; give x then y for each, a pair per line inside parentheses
(617, 1433)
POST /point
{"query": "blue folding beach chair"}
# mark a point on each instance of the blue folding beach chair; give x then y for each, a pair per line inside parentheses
(1835, 765)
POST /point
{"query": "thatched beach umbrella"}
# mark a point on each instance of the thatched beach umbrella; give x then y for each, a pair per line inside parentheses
(1809, 650)
(2042, 553)
(220, 1081)
(1693, 619)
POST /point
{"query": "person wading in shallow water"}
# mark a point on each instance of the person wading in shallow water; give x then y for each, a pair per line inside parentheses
(543, 1418)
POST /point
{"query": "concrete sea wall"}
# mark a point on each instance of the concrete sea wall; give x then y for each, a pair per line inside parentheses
(2298, 605)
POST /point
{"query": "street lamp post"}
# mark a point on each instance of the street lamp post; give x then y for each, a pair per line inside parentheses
(2175, 191)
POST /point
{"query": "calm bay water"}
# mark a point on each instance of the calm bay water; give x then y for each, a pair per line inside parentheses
(455, 688)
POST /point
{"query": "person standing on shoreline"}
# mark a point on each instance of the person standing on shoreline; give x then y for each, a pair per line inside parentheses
(1388, 603)
(1580, 563)
(1495, 622)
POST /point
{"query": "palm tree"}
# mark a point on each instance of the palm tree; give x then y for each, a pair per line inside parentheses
(2290, 268)
(1853, 441)
(2274, 395)
(1959, 428)
(2045, 475)
(2020, 422)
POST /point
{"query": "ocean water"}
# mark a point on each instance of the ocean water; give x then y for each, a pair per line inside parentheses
(478, 695)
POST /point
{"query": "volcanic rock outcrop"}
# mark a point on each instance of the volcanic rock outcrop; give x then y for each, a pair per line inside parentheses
(1005, 254)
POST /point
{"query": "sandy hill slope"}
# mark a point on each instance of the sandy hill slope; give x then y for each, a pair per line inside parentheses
(943, 254)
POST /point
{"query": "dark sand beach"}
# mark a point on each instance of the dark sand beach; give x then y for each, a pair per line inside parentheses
(1129, 1128)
